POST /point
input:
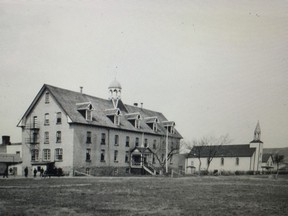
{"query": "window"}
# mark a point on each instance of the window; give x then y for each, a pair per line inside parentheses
(237, 161)
(88, 154)
(85, 109)
(127, 157)
(88, 171)
(46, 137)
(58, 154)
(117, 120)
(155, 128)
(47, 99)
(34, 155)
(58, 118)
(18, 152)
(102, 156)
(137, 123)
(46, 154)
(171, 159)
(154, 144)
(145, 143)
(192, 163)
(35, 122)
(35, 138)
(162, 157)
(115, 156)
(103, 138)
(46, 120)
(127, 141)
(88, 115)
(222, 161)
(116, 140)
(88, 137)
(153, 159)
(58, 137)
(137, 141)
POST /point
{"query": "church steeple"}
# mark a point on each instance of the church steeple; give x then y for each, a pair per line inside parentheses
(115, 92)
(257, 133)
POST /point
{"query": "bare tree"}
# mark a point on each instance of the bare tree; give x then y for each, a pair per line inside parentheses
(214, 145)
(278, 159)
(207, 147)
(159, 153)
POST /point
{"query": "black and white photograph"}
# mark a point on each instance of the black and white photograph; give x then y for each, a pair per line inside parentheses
(152, 107)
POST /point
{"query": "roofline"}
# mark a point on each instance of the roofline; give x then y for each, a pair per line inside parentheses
(32, 104)
(36, 99)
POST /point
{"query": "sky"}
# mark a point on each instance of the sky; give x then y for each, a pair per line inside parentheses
(213, 67)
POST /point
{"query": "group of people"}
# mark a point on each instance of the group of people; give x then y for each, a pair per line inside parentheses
(34, 172)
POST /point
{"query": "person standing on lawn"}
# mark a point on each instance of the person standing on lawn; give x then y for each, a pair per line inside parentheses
(26, 171)
(6, 173)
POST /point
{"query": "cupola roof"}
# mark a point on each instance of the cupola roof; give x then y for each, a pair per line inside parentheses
(115, 84)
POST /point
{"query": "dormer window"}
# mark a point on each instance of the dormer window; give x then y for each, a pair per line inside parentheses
(114, 115)
(152, 122)
(169, 125)
(134, 119)
(85, 109)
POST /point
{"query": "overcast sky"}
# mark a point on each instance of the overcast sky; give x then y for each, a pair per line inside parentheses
(213, 67)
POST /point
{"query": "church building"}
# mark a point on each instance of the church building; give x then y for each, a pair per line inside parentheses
(234, 157)
(83, 134)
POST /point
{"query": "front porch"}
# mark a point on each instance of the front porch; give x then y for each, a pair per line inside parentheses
(142, 159)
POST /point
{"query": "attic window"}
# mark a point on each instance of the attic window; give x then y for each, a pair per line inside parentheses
(85, 109)
(152, 122)
(114, 115)
(47, 97)
(134, 119)
(169, 125)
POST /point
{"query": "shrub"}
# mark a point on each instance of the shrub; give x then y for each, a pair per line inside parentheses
(204, 172)
(238, 172)
(250, 172)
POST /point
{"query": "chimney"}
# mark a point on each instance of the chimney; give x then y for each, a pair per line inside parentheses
(81, 89)
(141, 105)
(6, 140)
(136, 104)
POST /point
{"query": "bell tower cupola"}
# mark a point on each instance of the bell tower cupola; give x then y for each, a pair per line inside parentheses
(115, 92)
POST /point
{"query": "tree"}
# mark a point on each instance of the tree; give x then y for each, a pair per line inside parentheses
(160, 151)
(207, 147)
(213, 146)
(278, 159)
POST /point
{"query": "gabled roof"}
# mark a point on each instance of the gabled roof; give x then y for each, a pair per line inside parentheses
(141, 150)
(151, 119)
(242, 150)
(67, 101)
(113, 111)
(265, 157)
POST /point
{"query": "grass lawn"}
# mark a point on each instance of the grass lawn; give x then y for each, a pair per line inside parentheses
(222, 195)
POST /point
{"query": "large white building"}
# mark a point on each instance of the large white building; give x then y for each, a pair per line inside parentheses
(81, 133)
(243, 157)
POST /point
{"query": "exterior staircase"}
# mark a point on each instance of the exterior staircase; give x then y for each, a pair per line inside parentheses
(150, 169)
